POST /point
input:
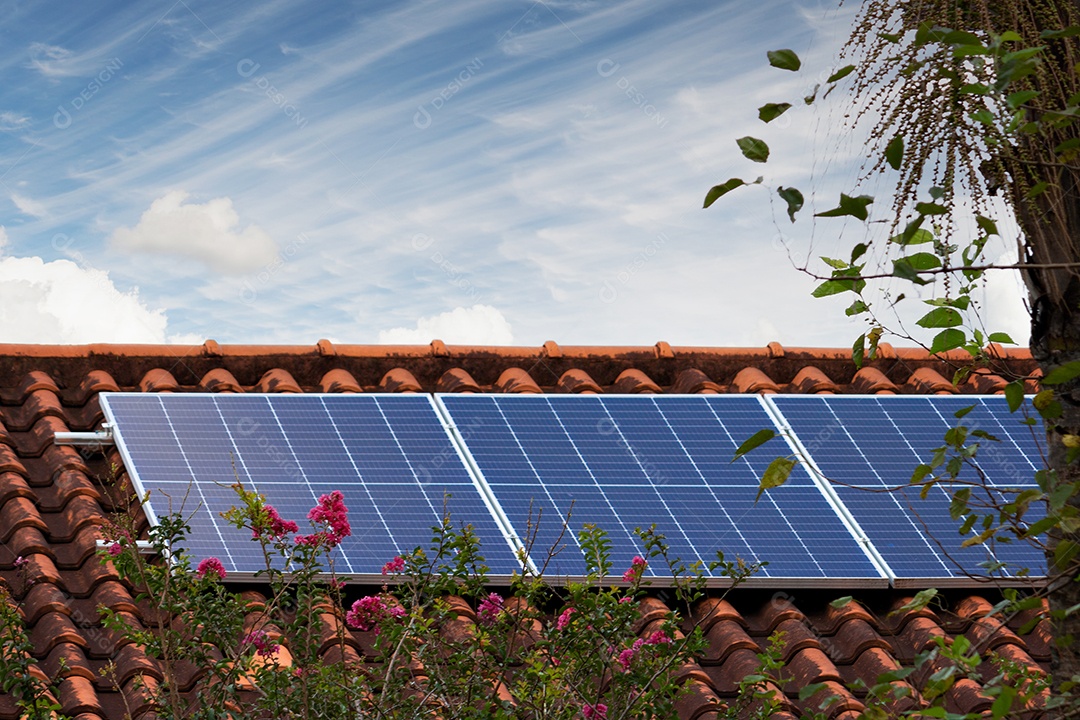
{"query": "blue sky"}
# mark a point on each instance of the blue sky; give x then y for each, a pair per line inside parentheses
(477, 171)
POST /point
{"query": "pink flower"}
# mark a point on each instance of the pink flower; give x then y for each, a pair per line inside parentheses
(490, 609)
(594, 712)
(564, 619)
(623, 601)
(658, 638)
(394, 566)
(115, 549)
(637, 567)
(276, 527)
(626, 657)
(20, 561)
(367, 612)
(332, 512)
(261, 641)
(209, 566)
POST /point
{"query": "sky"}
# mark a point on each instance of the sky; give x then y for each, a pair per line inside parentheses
(477, 171)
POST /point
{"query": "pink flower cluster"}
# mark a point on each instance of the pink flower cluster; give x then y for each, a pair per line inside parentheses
(275, 527)
(490, 608)
(394, 566)
(115, 549)
(210, 566)
(262, 642)
(369, 611)
(626, 657)
(331, 512)
(637, 567)
(564, 619)
(594, 712)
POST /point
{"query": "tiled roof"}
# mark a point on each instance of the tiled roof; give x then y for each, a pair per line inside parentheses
(52, 502)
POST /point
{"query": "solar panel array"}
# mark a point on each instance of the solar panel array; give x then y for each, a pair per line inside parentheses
(870, 445)
(389, 455)
(628, 462)
(514, 467)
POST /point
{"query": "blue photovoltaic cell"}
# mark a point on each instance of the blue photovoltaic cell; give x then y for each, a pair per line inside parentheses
(390, 456)
(623, 462)
(875, 442)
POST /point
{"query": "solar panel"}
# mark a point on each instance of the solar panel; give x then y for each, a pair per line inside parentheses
(390, 455)
(624, 462)
(869, 443)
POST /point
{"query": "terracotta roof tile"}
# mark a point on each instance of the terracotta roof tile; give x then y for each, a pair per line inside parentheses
(516, 380)
(399, 380)
(276, 380)
(53, 498)
(634, 381)
(752, 380)
(338, 381)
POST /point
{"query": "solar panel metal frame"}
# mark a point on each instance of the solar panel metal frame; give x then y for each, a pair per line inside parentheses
(758, 581)
(956, 581)
(353, 578)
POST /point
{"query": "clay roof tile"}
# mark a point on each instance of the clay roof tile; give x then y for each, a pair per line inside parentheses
(339, 381)
(219, 380)
(399, 380)
(927, 381)
(277, 380)
(158, 380)
(871, 381)
(635, 381)
(35, 380)
(752, 380)
(693, 381)
(575, 380)
(456, 380)
(94, 382)
(812, 380)
(516, 380)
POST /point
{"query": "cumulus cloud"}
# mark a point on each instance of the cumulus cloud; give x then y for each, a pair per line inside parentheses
(209, 233)
(60, 302)
(28, 206)
(478, 325)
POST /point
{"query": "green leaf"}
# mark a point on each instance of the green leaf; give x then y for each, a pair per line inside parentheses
(810, 690)
(1014, 395)
(793, 198)
(1037, 189)
(1017, 99)
(858, 251)
(942, 317)
(974, 89)
(770, 111)
(947, 340)
(987, 225)
(722, 189)
(809, 99)
(853, 206)
(1062, 374)
(841, 73)
(1000, 337)
(834, 263)
(919, 602)
(840, 603)
(753, 149)
(775, 475)
(784, 59)
(1071, 31)
(930, 209)
(894, 152)
(924, 261)
(983, 116)
(856, 308)
(833, 287)
(1004, 702)
(858, 350)
(754, 441)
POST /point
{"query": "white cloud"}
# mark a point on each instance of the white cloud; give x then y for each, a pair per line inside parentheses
(60, 302)
(478, 325)
(209, 233)
(12, 121)
(27, 206)
(3, 239)
(50, 60)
